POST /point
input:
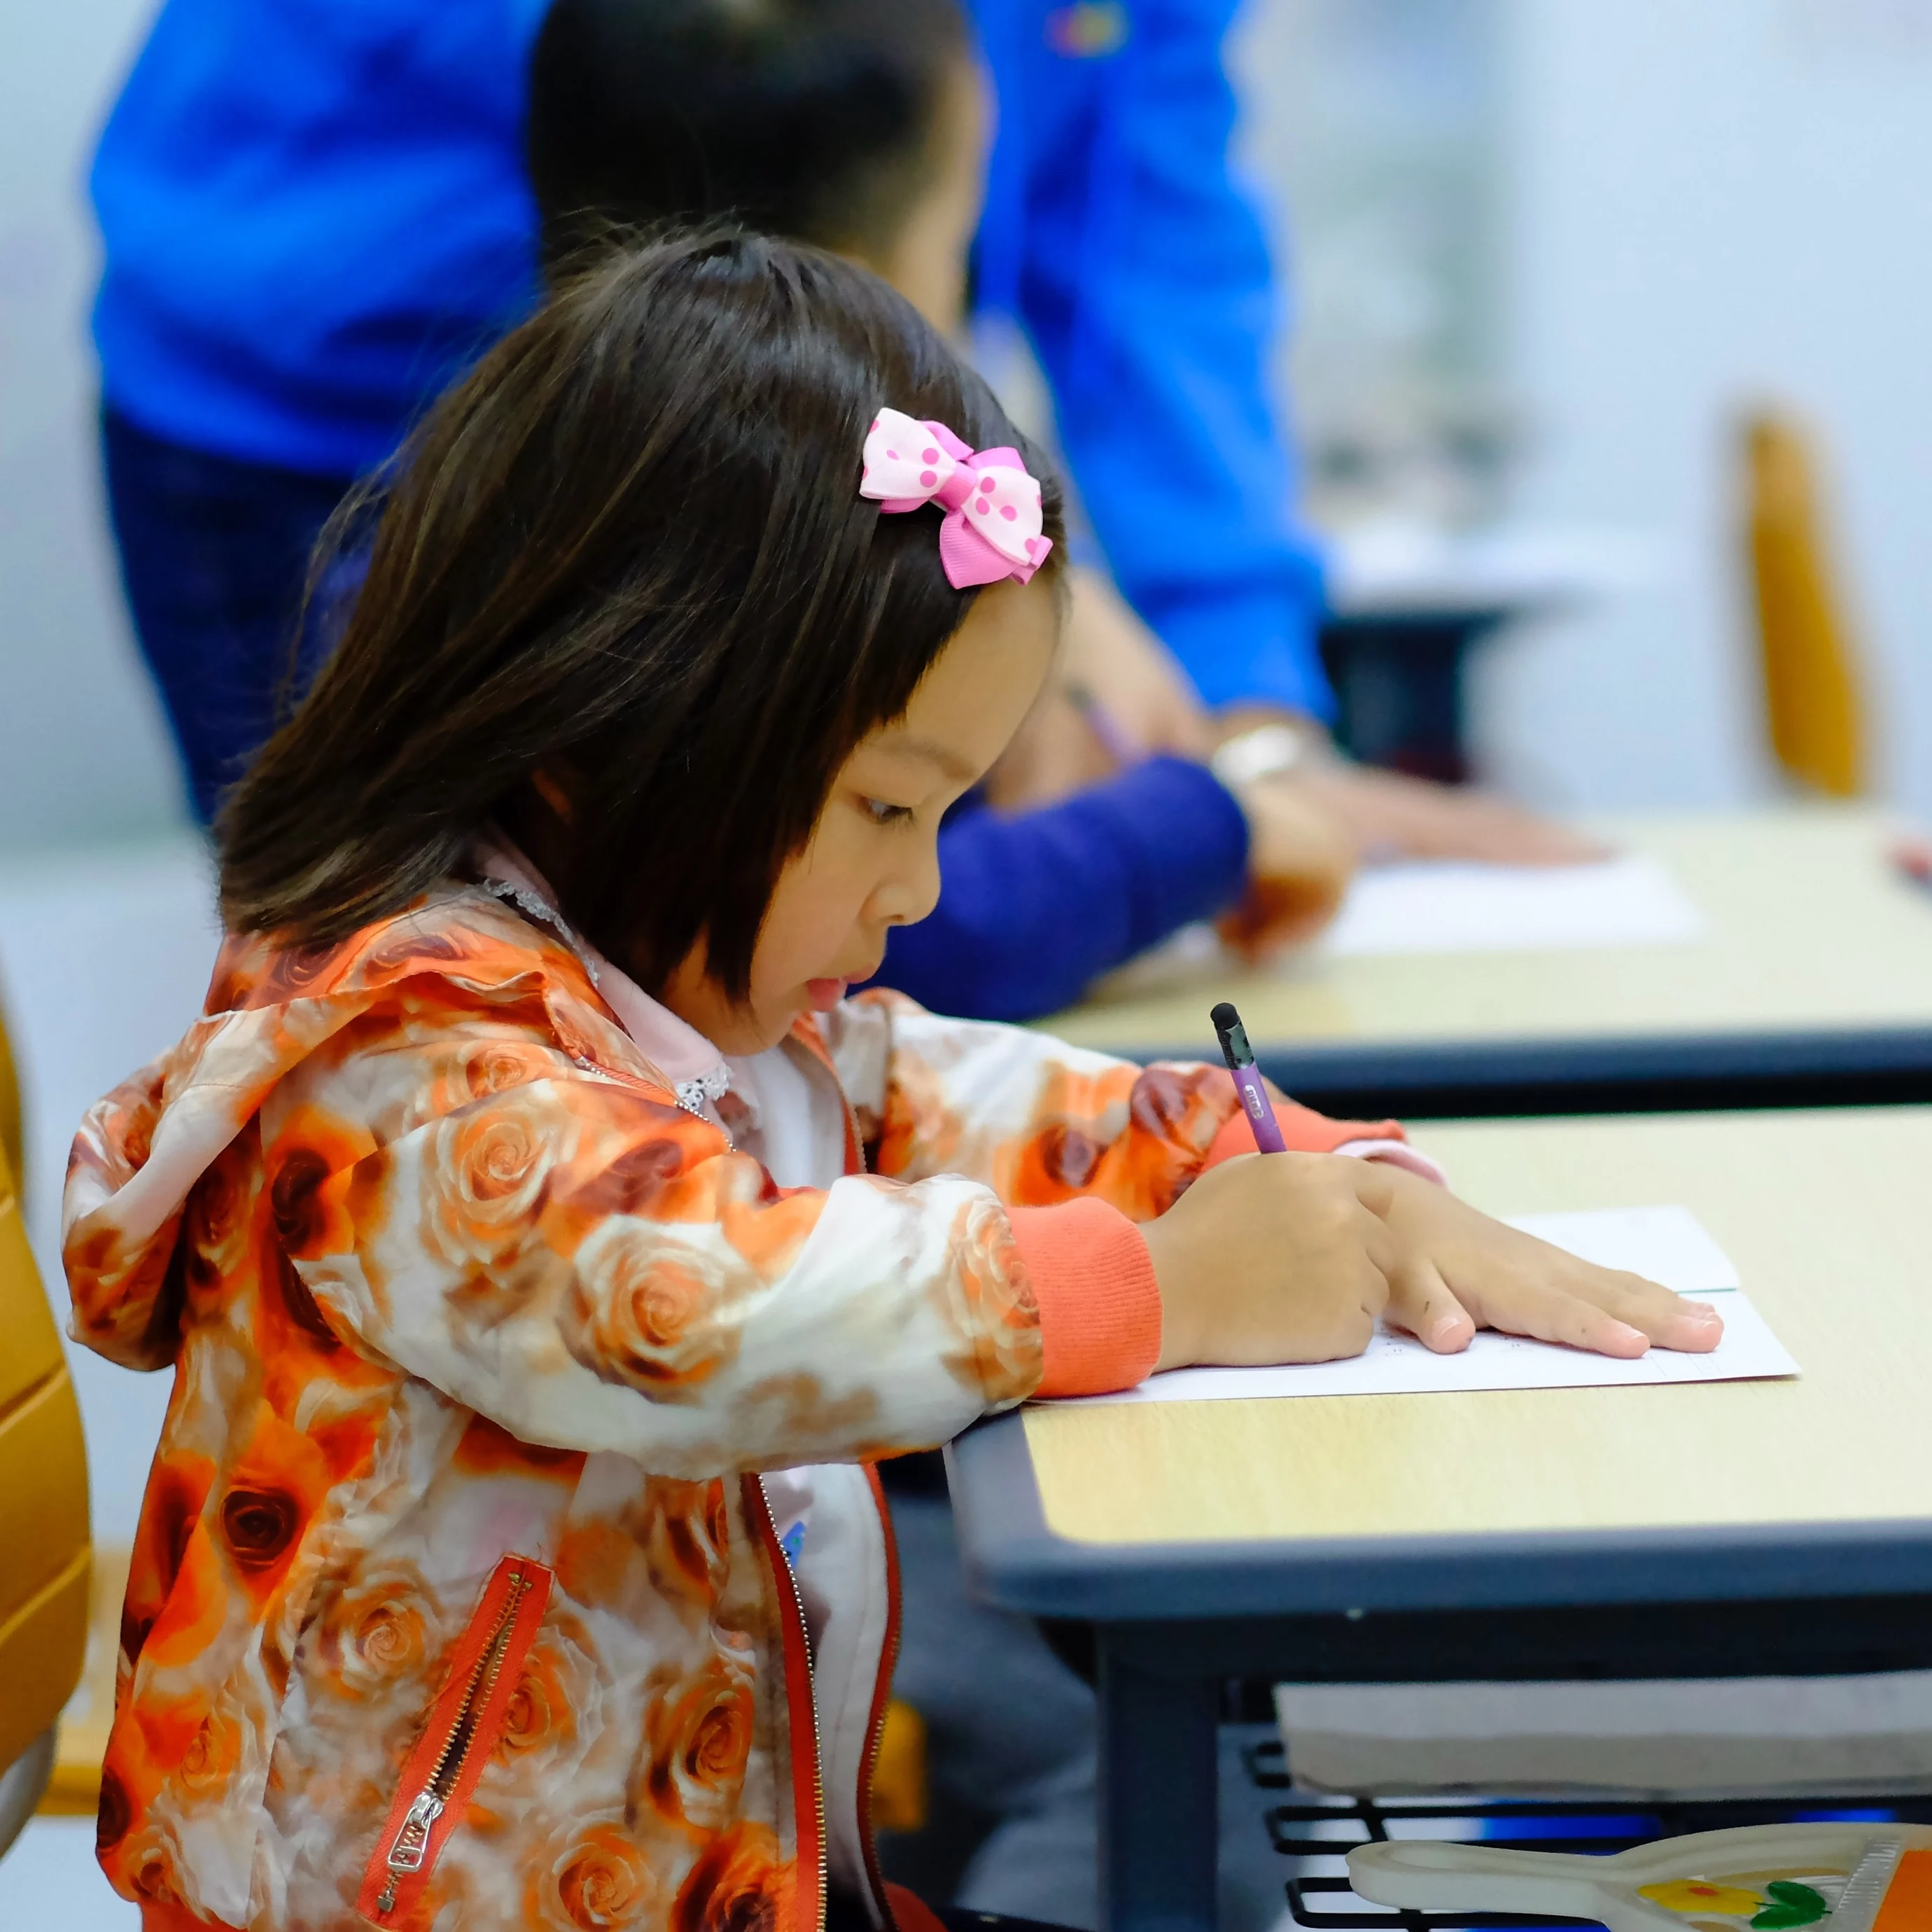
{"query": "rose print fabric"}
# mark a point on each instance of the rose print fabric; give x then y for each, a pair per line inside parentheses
(444, 1273)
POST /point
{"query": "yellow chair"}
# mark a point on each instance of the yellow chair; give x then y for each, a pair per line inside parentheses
(73, 1785)
(1812, 680)
(43, 1532)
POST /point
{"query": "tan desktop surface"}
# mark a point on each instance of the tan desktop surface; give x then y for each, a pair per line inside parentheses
(1808, 927)
(1828, 1217)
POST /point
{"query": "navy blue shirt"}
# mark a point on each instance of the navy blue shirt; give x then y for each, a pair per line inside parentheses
(1118, 235)
(1037, 907)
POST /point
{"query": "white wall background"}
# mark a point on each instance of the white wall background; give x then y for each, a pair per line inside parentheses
(1710, 203)
(1697, 204)
(1376, 128)
(83, 754)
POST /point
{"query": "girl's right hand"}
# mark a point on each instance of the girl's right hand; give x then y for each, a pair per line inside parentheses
(1291, 1258)
(1274, 1257)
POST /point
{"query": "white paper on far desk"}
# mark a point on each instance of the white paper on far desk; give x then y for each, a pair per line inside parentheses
(1668, 1244)
(1451, 906)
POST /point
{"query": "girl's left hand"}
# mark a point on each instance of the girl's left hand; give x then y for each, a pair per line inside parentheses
(1457, 1270)
(1300, 861)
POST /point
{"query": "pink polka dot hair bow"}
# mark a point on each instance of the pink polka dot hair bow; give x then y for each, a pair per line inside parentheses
(992, 525)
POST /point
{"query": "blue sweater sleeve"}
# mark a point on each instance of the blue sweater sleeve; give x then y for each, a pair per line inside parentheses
(314, 217)
(1116, 233)
(1032, 908)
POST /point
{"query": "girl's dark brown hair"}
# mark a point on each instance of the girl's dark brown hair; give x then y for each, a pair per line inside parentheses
(628, 551)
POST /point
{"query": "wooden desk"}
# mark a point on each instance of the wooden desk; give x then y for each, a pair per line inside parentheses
(1728, 1529)
(1812, 986)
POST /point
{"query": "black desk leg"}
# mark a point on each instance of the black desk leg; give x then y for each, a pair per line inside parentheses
(1158, 1819)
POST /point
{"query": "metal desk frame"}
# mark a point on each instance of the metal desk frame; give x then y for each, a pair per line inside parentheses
(1660, 1073)
(1173, 1621)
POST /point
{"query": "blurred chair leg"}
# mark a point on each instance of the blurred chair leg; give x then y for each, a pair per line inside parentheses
(1815, 708)
(21, 1784)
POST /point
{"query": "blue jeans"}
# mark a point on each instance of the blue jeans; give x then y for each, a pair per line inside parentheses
(215, 557)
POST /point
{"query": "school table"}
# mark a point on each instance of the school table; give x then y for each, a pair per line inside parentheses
(1728, 1529)
(1811, 985)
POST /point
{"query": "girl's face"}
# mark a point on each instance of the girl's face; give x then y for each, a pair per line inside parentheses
(872, 861)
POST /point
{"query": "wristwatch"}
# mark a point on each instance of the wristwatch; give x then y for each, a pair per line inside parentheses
(1265, 752)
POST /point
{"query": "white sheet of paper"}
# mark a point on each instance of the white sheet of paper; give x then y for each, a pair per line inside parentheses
(1668, 1244)
(1450, 906)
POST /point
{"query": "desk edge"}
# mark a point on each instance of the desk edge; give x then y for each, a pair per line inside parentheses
(1853, 1066)
(1014, 1559)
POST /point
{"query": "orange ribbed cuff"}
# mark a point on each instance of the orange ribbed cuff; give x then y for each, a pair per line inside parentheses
(1100, 1305)
(1235, 1137)
(1304, 1130)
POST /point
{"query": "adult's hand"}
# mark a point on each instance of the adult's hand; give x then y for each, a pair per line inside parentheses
(1391, 816)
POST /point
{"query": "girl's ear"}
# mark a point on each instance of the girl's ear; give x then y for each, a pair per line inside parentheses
(552, 792)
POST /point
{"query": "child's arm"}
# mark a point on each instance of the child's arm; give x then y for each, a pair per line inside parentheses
(592, 1267)
(1044, 1122)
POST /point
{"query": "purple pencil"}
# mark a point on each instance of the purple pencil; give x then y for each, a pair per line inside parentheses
(1241, 1058)
(1113, 736)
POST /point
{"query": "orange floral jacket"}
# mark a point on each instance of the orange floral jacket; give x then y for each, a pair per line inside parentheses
(469, 1589)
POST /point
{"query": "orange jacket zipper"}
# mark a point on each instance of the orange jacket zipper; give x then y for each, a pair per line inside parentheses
(798, 1695)
(465, 1722)
(807, 1031)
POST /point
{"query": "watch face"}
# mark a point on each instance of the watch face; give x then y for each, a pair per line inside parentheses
(1089, 32)
(1265, 752)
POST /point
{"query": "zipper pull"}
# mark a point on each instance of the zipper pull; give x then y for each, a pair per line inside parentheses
(412, 1845)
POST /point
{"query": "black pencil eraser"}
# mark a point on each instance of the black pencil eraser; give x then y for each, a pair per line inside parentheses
(1232, 1035)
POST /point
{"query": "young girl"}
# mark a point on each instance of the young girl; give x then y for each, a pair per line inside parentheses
(863, 127)
(544, 1246)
